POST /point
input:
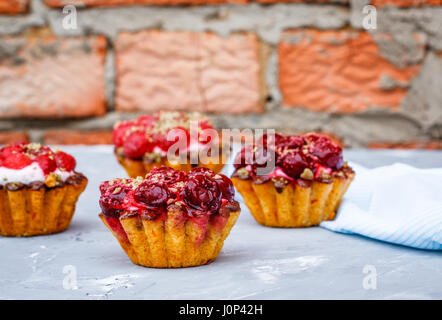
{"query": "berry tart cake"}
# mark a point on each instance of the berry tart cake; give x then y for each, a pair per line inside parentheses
(305, 186)
(170, 219)
(39, 188)
(142, 144)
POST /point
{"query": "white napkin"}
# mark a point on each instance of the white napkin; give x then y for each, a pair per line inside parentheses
(397, 203)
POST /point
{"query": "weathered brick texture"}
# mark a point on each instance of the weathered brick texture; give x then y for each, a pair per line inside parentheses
(101, 3)
(301, 1)
(406, 3)
(13, 6)
(66, 136)
(45, 76)
(339, 71)
(187, 71)
(7, 137)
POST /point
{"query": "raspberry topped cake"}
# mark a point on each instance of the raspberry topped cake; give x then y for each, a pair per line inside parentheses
(170, 219)
(39, 188)
(305, 185)
(142, 144)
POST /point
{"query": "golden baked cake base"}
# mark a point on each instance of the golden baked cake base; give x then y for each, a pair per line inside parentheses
(173, 242)
(30, 212)
(297, 205)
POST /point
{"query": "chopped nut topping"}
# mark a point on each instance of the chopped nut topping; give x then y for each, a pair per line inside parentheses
(307, 174)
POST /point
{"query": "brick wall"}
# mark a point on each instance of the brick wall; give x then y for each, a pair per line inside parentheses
(293, 65)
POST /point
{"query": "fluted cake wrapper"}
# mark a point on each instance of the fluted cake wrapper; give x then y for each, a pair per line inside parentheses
(136, 168)
(296, 205)
(173, 242)
(29, 211)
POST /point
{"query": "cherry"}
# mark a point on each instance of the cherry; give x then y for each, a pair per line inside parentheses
(112, 198)
(328, 153)
(136, 145)
(244, 157)
(199, 170)
(294, 162)
(166, 174)
(153, 195)
(267, 140)
(202, 193)
(65, 161)
(226, 187)
(291, 142)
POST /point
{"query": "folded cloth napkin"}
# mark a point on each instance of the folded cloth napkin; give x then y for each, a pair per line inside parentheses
(397, 203)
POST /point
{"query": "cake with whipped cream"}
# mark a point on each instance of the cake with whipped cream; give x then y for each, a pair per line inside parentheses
(39, 188)
(142, 144)
(170, 218)
(292, 181)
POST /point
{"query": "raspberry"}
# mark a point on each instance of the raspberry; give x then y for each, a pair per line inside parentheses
(146, 121)
(12, 148)
(294, 162)
(65, 161)
(119, 133)
(202, 193)
(153, 195)
(15, 159)
(46, 163)
(136, 145)
(176, 134)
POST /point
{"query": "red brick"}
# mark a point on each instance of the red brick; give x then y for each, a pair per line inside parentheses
(106, 3)
(429, 145)
(13, 6)
(7, 137)
(66, 136)
(301, 1)
(47, 76)
(337, 71)
(188, 71)
(406, 3)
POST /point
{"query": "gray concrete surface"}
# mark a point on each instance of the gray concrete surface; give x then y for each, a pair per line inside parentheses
(256, 262)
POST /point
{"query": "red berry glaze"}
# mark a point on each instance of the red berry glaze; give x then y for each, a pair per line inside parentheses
(293, 154)
(199, 192)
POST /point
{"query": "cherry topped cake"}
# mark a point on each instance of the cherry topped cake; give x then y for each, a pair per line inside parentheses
(303, 185)
(142, 144)
(39, 188)
(170, 219)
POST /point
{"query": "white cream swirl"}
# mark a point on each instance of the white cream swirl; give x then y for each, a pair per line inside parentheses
(29, 174)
